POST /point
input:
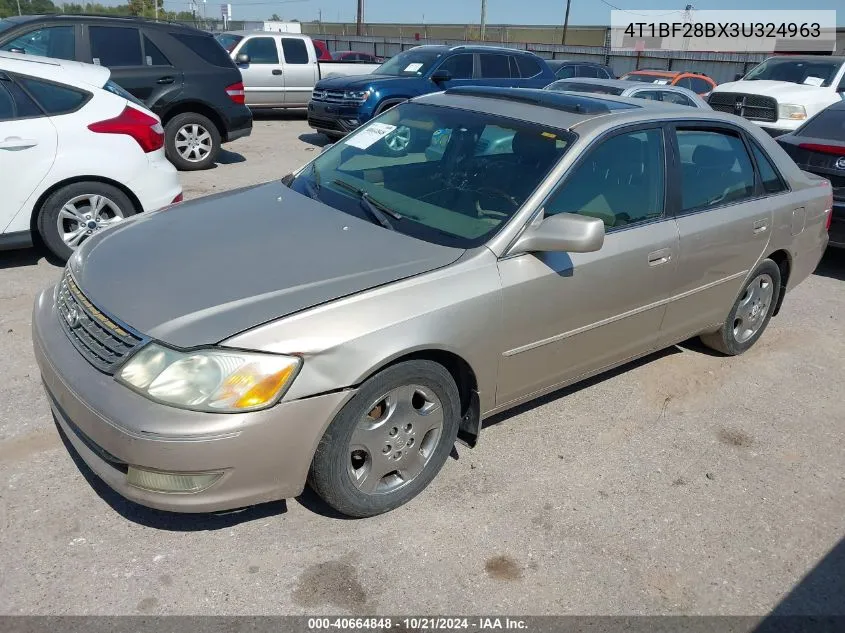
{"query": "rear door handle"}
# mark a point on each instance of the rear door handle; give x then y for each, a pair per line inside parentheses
(277, 71)
(165, 80)
(15, 144)
(761, 226)
(663, 256)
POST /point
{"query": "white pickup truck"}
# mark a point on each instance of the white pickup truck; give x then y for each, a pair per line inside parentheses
(279, 70)
(782, 92)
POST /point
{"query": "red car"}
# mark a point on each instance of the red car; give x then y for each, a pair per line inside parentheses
(323, 53)
(356, 56)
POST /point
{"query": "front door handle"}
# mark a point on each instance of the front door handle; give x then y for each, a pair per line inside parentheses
(277, 71)
(663, 256)
(166, 80)
(15, 143)
(761, 226)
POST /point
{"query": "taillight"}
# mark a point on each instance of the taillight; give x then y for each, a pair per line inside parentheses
(824, 148)
(236, 93)
(146, 130)
(178, 198)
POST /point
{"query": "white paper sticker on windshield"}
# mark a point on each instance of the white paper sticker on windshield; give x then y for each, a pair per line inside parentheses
(372, 134)
(814, 81)
(412, 68)
(662, 82)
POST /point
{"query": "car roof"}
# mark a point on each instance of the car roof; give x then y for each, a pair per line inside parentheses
(803, 58)
(660, 73)
(616, 83)
(562, 62)
(58, 70)
(300, 36)
(566, 110)
(80, 17)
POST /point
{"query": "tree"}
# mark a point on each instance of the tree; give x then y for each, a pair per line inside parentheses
(275, 17)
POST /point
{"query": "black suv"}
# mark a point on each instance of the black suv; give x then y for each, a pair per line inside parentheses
(180, 73)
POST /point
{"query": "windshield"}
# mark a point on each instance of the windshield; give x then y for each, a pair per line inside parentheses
(579, 86)
(648, 79)
(448, 176)
(819, 73)
(228, 41)
(415, 62)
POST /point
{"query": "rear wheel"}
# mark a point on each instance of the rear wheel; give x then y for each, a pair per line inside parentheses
(73, 213)
(388, 442)
(192, 141)
(750, 314)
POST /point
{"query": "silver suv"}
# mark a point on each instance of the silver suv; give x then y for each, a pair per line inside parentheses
(345, 325)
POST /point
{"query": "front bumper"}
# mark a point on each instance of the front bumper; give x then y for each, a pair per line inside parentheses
(334, 119)
(264, 455)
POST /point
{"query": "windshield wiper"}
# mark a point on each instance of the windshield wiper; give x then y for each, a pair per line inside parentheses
(376, 209)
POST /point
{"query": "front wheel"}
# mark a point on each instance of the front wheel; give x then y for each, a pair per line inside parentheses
(192, 141)
(388, 442)
(750, 314)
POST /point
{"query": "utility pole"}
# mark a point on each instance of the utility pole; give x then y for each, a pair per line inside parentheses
(359, 25)
(483, 19)
(19, 8)
(565, 24)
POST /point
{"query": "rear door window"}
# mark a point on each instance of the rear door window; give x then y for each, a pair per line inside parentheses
(51, 41)
(715, 169)
(588, 71)
(261, 50)
(650, 95)
(528, 67)
(494, 66)
(295, 51)
(565, 72)
(15, 103)
(675, 97)
(115, 46)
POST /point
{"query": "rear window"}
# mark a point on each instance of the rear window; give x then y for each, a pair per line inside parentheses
(53, 98)
(828, 124)
(294, 50)
(649, 79)
(228, 41)
(207, 48)
(528, 67)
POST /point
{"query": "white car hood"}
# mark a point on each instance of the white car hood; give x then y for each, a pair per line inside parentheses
(783, 91)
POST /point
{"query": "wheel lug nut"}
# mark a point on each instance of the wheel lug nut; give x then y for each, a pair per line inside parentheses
(386, 449)
(398, 455)
(393, 431)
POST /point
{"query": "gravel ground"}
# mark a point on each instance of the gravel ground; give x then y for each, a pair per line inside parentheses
(685, 483)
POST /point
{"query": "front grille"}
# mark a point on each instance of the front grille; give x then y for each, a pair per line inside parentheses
(752, 107)
(99, 339)
(324, 124)
(333, 96)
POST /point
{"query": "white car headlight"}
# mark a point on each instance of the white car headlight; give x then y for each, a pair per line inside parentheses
(789, 111)
(216, 380)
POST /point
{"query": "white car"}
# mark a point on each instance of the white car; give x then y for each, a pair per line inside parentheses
(77, 154)
(784, 91)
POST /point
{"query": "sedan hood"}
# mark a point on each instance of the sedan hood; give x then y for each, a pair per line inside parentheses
(202, 271)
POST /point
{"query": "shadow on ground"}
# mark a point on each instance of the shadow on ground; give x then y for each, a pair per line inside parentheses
(170, 521)
(832, 264)
(316, 139)
(28, 257)
(280, 114)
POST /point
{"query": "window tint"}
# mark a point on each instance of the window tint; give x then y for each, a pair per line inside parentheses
(588, 71)
(528, 67)
(772, 182)
(53, 98)
(51, 41)
(700, 86)
(494, 66)
(459, 66)
(565, 72)
(24, 105)
(650, 95)
(152, 55)
(207, 48)
(715, 169)
(620, 182)
(261, 50)
(676, 97)
(829, 124)
(295, 51)
(684, 82)
(115, 46)
(7, 105)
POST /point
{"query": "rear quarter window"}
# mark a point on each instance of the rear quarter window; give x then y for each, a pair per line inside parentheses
(207, 48)
(54, 99)
(528, 67)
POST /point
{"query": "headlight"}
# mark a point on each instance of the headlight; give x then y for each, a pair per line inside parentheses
(794, 112)
(217, 380)
(356, 95)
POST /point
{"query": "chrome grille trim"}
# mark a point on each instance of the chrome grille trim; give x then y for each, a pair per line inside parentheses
(100, 339)
(749, 106)
(333, 96)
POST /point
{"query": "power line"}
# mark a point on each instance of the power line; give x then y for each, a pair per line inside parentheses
(645, 15)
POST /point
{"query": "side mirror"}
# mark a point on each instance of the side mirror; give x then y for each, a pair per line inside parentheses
(242, 58)
(562, 232)
(440, 75)
(738, 76)
(327, 147)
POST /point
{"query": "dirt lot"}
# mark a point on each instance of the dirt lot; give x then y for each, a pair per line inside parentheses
(686, 483)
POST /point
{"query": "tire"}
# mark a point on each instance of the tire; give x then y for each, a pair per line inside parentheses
(75, 207)
(750, 314)
(203, 141)
(377, 431)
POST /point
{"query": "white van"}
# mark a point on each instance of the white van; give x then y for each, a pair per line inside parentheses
(783, 91)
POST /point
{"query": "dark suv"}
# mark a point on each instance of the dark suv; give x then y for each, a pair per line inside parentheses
(180, 73)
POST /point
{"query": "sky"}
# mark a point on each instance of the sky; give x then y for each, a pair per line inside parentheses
(588, 12)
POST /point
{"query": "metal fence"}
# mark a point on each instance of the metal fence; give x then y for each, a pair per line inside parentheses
(721, 67)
